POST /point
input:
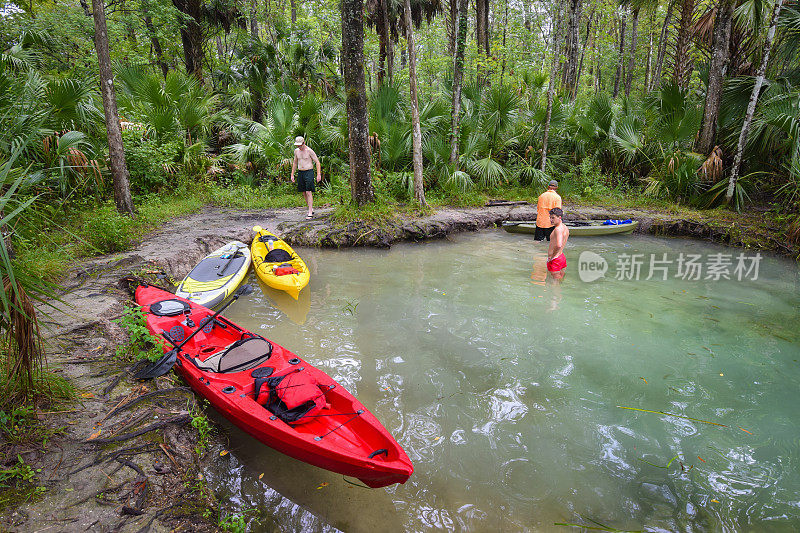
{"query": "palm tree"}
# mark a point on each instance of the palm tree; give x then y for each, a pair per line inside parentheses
(358, 123)
(716, 75)
(682, 69)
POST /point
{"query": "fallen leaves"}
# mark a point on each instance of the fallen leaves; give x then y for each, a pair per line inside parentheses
(223, 453)
(323, 484)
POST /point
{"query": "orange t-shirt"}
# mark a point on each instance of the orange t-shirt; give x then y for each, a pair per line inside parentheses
(547, 201)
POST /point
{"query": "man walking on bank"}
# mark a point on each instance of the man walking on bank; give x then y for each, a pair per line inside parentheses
(548, 200)
(303, 163)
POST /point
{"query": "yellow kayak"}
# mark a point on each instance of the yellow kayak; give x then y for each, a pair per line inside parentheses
(278, 265)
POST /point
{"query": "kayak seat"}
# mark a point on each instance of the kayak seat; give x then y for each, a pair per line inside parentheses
(239, 356)
(172, 307)
(278, 255)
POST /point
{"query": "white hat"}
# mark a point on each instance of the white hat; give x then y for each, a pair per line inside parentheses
(299, 141)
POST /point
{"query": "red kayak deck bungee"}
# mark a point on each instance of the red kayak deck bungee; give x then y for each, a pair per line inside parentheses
(233, 368)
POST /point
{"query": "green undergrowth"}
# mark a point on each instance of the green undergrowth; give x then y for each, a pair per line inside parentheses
(19, 484)
(52, 393)
(141, 343)
(50, 239)
(30, 425)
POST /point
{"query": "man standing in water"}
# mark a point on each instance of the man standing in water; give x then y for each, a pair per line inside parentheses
(304, 159)
(556, 262)
(547, 201)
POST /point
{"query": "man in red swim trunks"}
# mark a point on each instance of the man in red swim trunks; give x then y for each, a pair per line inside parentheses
(556, 262)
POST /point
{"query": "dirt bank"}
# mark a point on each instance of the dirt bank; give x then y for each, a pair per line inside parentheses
(749, 231)
(126, 459)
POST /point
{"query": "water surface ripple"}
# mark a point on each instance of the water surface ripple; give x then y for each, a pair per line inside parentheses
(504, 390)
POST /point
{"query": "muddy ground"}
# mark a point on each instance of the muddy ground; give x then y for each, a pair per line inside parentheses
(126, 459)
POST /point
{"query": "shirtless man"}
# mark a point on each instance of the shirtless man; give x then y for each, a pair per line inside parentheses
(556, 262)
(304, 159)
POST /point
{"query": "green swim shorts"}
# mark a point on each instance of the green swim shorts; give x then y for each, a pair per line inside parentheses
(306, 180)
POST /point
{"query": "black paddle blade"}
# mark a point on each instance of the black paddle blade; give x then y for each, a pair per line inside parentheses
(244, 289)
(158, 368)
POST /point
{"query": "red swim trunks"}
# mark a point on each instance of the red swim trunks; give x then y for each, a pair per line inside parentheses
(557, 264)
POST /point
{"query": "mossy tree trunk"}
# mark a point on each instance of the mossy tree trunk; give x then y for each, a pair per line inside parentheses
(458, 79)
(352, 12)
(716, 76)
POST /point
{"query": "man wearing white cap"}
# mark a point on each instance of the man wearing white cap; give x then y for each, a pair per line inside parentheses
(304, 159)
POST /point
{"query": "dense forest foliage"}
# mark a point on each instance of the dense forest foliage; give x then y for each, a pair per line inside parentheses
(650, 97)
(689, 102)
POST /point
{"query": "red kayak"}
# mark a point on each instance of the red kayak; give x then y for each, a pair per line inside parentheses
(274, 395)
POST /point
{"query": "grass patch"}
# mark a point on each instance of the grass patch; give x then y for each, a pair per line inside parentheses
(18, 484)
(50, 240)
(50, 389)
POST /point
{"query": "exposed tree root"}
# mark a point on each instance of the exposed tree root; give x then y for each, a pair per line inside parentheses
(178, 420)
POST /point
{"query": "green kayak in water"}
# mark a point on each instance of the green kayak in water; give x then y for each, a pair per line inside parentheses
(576, 228)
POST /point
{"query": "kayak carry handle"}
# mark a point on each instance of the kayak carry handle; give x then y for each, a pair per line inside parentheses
(383, 451)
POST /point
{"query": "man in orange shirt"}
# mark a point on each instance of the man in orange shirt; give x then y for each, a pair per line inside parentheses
(548, 200)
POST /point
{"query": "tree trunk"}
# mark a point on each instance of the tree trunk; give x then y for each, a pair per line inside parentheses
(682, 71)
(572, 46)
(716, 76)
(268, 16)
(148, 23)
(116, 153)
(649, 65)
(751, 106)
(655, 81)
(385, 41)
(482, 39)
(458, 80)
(551, 85)
(583, 54)
(294, 13)
(416, 134)
(191, 36)
(451, 22)
(632, 52)
(253, 20)
(623, 28)
(352, 12)
(505, 25)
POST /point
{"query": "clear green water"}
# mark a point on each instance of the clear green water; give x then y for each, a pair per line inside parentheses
(505, 392)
